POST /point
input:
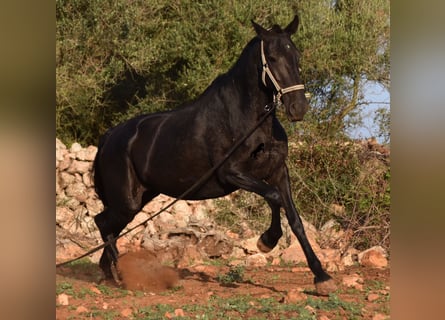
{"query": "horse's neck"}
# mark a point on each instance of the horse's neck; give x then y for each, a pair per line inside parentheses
(245, 83)
(240, 90)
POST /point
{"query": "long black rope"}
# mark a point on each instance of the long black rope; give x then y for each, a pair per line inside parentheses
(268, 108)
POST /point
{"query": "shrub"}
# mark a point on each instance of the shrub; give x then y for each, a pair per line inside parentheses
(116, 59)
(325, 173)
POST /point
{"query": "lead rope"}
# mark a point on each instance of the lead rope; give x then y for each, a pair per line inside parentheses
(110, 240)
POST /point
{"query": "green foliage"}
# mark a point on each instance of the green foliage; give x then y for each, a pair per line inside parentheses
(347, 174)
(324, 173)
(353, 309)
(382, 118)
(65, 287)
(116, 59)
(345, 44)
(235, 274)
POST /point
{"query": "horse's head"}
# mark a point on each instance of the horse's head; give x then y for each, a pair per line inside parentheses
(280, 63)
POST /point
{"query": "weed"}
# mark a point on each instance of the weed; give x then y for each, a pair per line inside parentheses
(65, 287)
(105, 290)
(83, 292)
(216, 262)
(176, 288)
(335, 303)
(376, 285)
(235, 274)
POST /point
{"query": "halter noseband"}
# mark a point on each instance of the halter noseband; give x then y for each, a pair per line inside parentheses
(280, 91)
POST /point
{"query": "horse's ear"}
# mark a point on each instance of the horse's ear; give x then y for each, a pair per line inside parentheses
(293, 26)
(260, 31)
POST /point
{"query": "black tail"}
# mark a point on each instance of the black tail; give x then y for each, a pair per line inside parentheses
(98, 183)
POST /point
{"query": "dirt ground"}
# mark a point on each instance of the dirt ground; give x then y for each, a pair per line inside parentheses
(216, 290)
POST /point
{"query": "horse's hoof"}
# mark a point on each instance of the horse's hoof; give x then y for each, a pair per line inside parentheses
(324, 288)
(262, 247)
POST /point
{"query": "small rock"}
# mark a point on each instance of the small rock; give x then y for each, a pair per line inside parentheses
(75, 147)
(334, 266)
(372, 297)
(249, 245)
(95, 290)
(293, 254)
(232, 235)
(179, 313)
(350, 257)
(209, 270)
(256, 260)
(63, 299)
(60, 150)
(87, 154)
(331, 259)
(65, 163)
(65, 179)
(87, 179)
(127, 312)
(374, 257)
(276, 261)
(81, 309)
(354, 281)
(323, 317)
(78, 191)
(310, 309)
(380, 316)
(294, 295)
(78, 166)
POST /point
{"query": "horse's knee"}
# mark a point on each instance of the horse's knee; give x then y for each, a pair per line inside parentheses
(274, 197)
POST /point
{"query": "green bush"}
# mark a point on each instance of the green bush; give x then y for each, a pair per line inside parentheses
(325, 173)
(116, 59)
(348, 174)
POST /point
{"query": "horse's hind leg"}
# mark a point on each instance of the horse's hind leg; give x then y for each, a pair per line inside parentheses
(110, 224)
(121, 211)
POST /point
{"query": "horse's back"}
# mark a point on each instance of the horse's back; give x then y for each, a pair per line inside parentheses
(170, 153)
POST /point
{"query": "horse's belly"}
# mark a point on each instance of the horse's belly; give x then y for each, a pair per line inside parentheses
(193, 189)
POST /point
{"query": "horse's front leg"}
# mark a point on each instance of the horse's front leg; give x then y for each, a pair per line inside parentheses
(323, 282)
(270, 237)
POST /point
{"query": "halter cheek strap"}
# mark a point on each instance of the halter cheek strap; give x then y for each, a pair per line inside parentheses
(280, 91)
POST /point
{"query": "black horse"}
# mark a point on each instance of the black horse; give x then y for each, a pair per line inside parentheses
(168, 152)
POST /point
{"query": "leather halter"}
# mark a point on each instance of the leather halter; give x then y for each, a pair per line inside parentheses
(280, 91)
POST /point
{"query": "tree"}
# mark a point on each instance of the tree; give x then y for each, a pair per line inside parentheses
(118, 59)
(346, 46)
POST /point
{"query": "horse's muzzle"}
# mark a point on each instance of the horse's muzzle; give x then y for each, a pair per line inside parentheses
(296, 112)
(296, 105)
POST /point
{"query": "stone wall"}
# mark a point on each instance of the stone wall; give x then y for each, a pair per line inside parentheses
(185, 233)
(178, 229)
